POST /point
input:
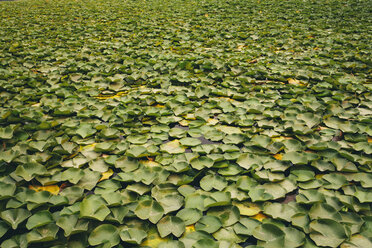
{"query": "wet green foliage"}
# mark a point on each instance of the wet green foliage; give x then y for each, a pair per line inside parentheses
(186, 124)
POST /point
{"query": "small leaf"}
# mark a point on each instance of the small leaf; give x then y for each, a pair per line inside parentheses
(15, 216)
(39, 219)
(106, 234)
(171, 225)
(172, 147)
(327, 232)
(149, 209)
(72, 225)
(209, 224)
(86, 130)
(132, 235)
(248, 209)
(189, 141)
(270, 234)
(210, 182)
(94, 207)
(190, 215)
(43, 234)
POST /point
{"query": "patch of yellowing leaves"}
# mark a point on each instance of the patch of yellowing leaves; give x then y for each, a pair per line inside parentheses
(153, 239)
(259, 217)
(278, 156)
(54, 189)
(184, 123)
(106, 175)
(248, 209)
(281, 138)
(149, 163)
(369, 139)
(189, 229)
(88, 147)
(295, 82)
(159, 106)
(319, 176)
(104, 97)
(212, 122)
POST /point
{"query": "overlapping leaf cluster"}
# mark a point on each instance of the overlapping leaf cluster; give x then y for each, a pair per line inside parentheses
(185, 124)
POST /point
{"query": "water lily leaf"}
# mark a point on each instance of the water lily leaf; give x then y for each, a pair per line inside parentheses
(136, 151)
(213, 182)
(15, 216)
(227, 234)
(228, 129)
(249, 161)
(172, 147)
(98, 165)
(9, 155)
(171, 225)
(293, 237)
(204, 243)
(209, 224)
(216, 199)
(94, 207)
(7, 132)
(72, 225)
(201, 162)
(334, 181)
(72, 175)
(228, 215)
(295, 158)
(246, 226)
(53, 189)
(3, 228)
(149, 209)
(30, 170)
(234, 139)
(42, 234)
(139, 188)
(357, 241)
(310, 196)
(132, 235)
(73, 193)
(171, 244)
(281, 211)
(106, 234)
(85, 130)
(326, 232)
(137, 139)
(39, 219)
(189, 141)
(6, 190)
(248, 208)
(269, 233)
(127, 164)
(189, 215)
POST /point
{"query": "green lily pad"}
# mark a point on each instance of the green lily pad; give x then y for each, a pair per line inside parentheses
(171, 225)
(105, 234)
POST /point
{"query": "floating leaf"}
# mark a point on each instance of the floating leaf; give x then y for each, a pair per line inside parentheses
(171, 225)
(149, 209)
(132, 235)
(326, 232)
(42, 234)
(172, 147)
(209, 224)
(105, 234)
(15, 216)
(39, 219)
